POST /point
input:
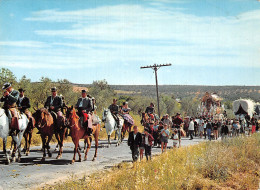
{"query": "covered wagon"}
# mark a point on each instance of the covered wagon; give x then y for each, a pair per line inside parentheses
(243, 107)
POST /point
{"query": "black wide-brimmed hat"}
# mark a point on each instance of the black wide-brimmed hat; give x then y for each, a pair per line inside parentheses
(54, 89)
(83, 91)
(21, 90)
(6, 85)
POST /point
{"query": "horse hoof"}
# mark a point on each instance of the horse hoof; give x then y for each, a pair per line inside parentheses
(27, 154)
(56, 149)
(50, 155)
(13, 159)
(94, 159)
(80, 160)
(43, 160)
(58, 157)
(8, 162)
(19, 160)
(72, 162)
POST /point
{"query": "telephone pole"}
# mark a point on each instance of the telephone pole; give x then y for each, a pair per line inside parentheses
(155, 67)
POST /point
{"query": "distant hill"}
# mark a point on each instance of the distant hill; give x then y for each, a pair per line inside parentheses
(181, 91)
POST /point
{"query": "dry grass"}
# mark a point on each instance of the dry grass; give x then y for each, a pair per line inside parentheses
(231, 164)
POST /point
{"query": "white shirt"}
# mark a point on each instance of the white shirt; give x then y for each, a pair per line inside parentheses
(135, 136)
(191, 126)
(146, 140)
(52, 98)
(20, 99)
(81, 103)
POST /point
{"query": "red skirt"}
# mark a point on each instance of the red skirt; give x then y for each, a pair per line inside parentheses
(253, 128)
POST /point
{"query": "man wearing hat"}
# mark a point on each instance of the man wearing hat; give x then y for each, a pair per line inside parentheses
(54, 105)
(85, 106)
(10, 98)
(114, 108)
(23, 102)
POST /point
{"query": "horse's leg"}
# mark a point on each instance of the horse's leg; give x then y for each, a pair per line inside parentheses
(60, 145)
(58, 139)
(14, 151)
(88, 147)
(48, 146)
(109, 142)
(96, 145)
(29, 143)
(76, 143)
(25, 135)
(43, 147)
(19, 146)
(5, 152)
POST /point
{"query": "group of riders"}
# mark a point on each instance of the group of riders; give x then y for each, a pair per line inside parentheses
(16, 103)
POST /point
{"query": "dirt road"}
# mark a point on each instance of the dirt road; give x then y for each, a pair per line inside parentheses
(31, 173)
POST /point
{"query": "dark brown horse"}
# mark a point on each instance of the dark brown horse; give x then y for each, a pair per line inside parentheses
(126, 128)
(60, 131)
(28, 135)
(44, 121)
(78, 132)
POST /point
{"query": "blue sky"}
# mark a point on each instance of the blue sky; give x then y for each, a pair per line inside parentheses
(208, 42)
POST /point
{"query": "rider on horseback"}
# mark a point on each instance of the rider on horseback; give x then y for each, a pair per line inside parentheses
(10, 98)
(54, 105)
(23, 104)
(150, 111)
(85, 106)
(114, 109)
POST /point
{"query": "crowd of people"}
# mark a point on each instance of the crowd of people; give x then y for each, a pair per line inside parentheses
(157, 132)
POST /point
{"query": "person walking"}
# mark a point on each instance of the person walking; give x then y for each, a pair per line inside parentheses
(209, 129)
(175, 138)
(165, 133)
(215, 129)
(224, 131)
(148, 142)
(134, 141)
(191, 128)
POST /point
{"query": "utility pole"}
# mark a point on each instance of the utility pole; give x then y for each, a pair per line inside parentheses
(155, 67)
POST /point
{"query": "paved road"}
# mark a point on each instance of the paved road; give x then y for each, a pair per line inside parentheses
(31, 173)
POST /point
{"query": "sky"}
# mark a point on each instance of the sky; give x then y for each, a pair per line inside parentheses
(208, 42)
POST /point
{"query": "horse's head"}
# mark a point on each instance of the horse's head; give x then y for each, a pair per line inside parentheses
(71, 114)
(104, 116)
(39, 116)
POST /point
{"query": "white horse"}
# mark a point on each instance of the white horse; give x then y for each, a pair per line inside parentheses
(23, 123)
(4, 131)
(111, 125)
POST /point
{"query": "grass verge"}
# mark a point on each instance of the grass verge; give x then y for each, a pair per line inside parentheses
(230, 164)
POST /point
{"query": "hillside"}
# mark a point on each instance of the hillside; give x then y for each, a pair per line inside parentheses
(181, 91)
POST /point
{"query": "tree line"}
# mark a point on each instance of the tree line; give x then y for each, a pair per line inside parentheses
(103, 93)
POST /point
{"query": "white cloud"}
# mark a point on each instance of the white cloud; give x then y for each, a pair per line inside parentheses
(27, 44)
(129, 34)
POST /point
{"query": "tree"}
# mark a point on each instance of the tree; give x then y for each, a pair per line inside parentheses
(7, 76)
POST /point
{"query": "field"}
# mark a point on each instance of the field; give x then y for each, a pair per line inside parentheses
(229, 164)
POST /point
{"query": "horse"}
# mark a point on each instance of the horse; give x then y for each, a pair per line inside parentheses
(4, 131)
(126, 128)
(60, 130)
(44, 121)
(78, 132)
(17, 139)
(28, 136)
(110, 125)
(144, 119)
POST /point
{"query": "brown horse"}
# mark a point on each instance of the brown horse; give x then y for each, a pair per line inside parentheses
(60, 131)
(78, 132)
(44, 121)
(126, 128)
(145, 119)
(28, 135)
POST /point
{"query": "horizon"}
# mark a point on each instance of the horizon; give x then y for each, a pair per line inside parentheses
(208, 43)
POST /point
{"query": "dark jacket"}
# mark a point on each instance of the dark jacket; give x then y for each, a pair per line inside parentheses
(57, 103)
(87, 104)
(11, 99)
(224, 129)
(209, 126)
(149, 110)
(24, 104)
(114, 109)
(133, 143)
